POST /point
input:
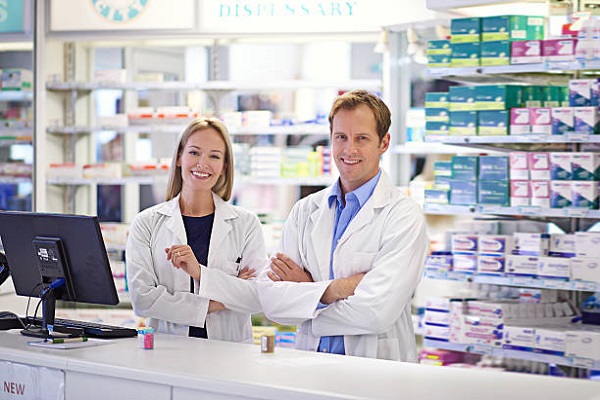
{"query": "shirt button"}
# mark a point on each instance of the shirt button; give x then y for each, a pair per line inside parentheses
(324, 350)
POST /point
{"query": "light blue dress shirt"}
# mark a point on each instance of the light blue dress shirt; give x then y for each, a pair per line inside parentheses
(343, 215)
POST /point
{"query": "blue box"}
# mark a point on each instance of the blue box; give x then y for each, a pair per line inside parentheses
(465, 168)
(493, 168)
(463, 192)
(493, 193)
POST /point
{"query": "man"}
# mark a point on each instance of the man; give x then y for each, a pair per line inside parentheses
(351, 255)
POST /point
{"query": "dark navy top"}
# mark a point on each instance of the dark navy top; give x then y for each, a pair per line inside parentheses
(198, 231)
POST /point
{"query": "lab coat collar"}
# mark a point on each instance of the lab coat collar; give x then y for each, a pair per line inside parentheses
(223, 211)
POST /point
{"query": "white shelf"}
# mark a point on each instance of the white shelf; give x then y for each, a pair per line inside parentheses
(14, 180)
(300, 181)
(430, 147)
(178, 126)
(140, 180)
(530, 282)
(216, 85)
(548, 66)
(571, 212)
(506, 353)
(16, 95)
(452, 4)
(6, 141)
(573, 137)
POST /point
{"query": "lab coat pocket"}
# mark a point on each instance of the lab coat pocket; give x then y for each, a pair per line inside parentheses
(361, 262)
(229, 267)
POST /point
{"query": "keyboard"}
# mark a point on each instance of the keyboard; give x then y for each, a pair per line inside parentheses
(90, 329)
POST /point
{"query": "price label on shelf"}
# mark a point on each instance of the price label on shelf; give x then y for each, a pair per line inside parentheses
(576, 212)
(584, 286)
(577, 137)
(553, 284)
(522, 281)
(529, 210)
(581, 362)
(536, 138)
(481, 349)
(489, 209)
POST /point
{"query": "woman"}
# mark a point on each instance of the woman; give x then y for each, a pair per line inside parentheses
(185, 255)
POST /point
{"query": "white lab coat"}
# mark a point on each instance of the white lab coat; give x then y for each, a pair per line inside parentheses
(161, 292)
(386, 239)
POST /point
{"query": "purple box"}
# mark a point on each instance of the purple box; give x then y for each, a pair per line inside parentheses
(520, 121)
(526, 51)
(559, 49)
(541, 120)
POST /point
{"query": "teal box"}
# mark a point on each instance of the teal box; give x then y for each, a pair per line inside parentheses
(465, 55)
(437, 128)
(465, 30)
(512, 27)
(552, 96)
(493, 168)
(493, 123)
(463, 192)
(495, 53)
(462, 98)
(437, 99)
(438, 60)
(442, 168)
(465, 168)
(442, 182)
(436, 114)
(498, 97)
(463, 123)
(493, 193)
(439, 47)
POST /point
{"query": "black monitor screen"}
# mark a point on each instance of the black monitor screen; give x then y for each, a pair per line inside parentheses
(43, 247)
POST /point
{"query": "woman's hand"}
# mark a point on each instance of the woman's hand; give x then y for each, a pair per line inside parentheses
(215, 306)
(182, 257)
(284, 268)
(247, 273)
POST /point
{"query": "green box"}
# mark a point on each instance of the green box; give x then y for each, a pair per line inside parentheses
(495, 53)
(437, 128)
(493, 122)
(512, 27)
(533, 96)
(437, 99)
(465, 30)
(436, 114)
(493, 193)
(463, 123)
(551, 96)
(465, 55)
(438, 60)
(497, 97)
(439, 47)
(462, 98)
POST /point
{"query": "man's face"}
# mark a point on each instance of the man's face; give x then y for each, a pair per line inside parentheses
(355, 146)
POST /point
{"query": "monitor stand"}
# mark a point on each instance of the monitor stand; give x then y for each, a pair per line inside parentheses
(47, 330)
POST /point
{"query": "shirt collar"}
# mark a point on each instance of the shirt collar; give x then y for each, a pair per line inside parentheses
(362, 193)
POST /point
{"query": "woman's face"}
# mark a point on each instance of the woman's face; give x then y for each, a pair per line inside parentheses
(202, 160)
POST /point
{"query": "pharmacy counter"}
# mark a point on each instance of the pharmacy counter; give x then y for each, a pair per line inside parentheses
(181, 368)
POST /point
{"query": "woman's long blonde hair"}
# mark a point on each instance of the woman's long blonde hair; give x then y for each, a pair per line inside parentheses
(224, 184)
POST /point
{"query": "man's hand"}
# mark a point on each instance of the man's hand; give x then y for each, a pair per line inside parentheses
(341, 288)
(247, 273)
(284, 268)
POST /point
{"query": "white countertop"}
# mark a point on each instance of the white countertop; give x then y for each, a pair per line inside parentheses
(241, 369)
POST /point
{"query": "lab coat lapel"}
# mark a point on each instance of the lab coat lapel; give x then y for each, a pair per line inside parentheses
(221, 229)
(322, 220)
(175, 222)
(378, 199)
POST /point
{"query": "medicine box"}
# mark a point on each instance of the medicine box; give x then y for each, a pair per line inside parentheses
(532, 96)
(495, 245)
(561, 194)
(441, 46)
(531, 244)
(463, 192)
(520, 121)
(554, 267)
(560, 166)
(520, 193)
(541, 120)
(17, 79)
(465, 168)
(493, 193)
(464, 243)
(585, 269)
(587, 244)
(539, 165)
(517, 265)
(462, 98)
(563, 120)
(465, 55)
(490, 265)
(555, 96)
(437, 100)
(498, 97)
(436, 114)
(518, 165)
(526, 52)
(463, 123)
(463, 30)
(559, 49)
(586, 120)
(438, 60)
(493, 168)
(584, 194)
(580, 92)
(540, 194)
(495, 53)
(512, 27)
(437, 128)
(493, 123)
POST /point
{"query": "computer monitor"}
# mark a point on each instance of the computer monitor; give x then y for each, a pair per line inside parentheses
(56, 257)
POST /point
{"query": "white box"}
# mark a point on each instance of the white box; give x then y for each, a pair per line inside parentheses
(540, 194)
(518, 338)
(583, 343)
(521, 265)
(562, 245)
(531, 244)
(585, 269)
(554, 267)
(587, 244)
(539, 166)
(520, 193)
(519, 165)
(495, 244)
(550, 340)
